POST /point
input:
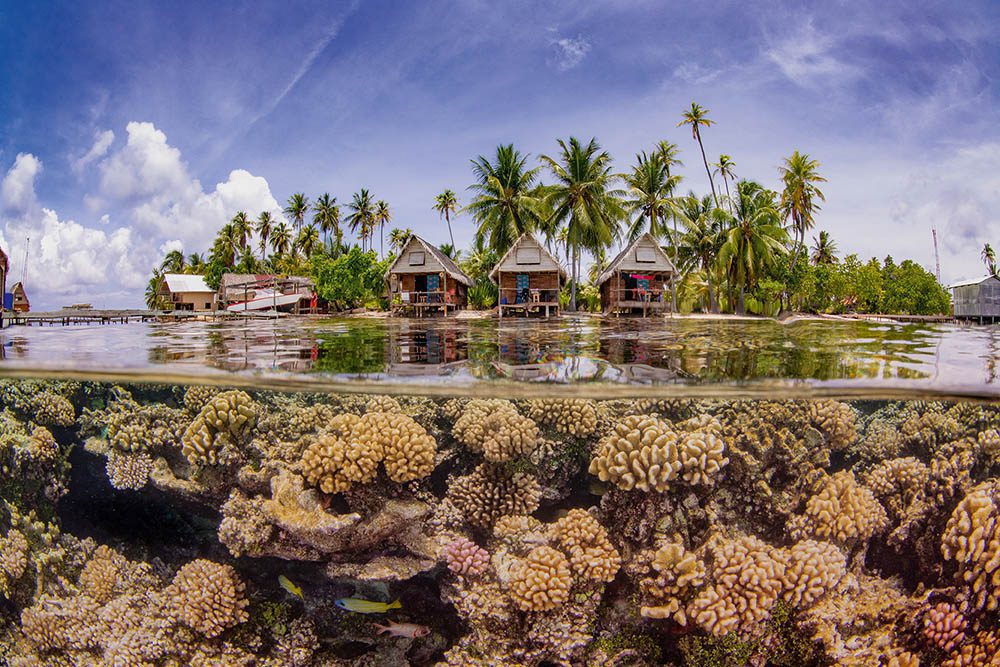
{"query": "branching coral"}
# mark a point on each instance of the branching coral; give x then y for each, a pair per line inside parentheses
(50, 409)
(641, 453)
(944, 626)
(540, 581)
(128, 471)
(13, 559)
(677, 572)
(334, 465)
(812, 569)
(490, 492)
(408, 449)
(42, 445)
(586, 541)
(497, 429)
(383, 403)
(841, 510)
(465, 557)
(972, 539)
(836, 420)
(207, 597)
(226, 418)
(574, 416)
(244, 528)
(702, 455)
(897, 482)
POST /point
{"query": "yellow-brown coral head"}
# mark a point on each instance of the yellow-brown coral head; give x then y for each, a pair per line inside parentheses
(586, 541)
(540, 581)
(207, 597)
(641, 453)
(227, 417)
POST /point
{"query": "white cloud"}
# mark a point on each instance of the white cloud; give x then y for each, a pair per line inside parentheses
(100, 148)
(149, 178)
(570, 52)
(17, 190)
(808, 57)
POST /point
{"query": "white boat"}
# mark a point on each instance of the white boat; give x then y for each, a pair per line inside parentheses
(264, 300)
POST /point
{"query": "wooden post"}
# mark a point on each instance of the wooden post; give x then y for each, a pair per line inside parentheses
(444, 300)
(500, 293)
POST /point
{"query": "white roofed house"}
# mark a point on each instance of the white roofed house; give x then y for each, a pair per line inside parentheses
(976, 299)
(188, 292)
(529, 279)
(638, 279)
(424, 280)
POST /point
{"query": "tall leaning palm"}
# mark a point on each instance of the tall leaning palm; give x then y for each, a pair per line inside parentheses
(505, 203)
(242, 229)
(755, 240)
(584, 200)
(697, 118)
(799, 200)
(668, 152)
(446, 204)
(382, 217)
(326, 216)
(265, 225)
(362, 214)
(724, 168)
(298, 206)
(281, 239)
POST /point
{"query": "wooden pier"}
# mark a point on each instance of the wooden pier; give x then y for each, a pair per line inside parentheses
(71, 316)
(875, 317)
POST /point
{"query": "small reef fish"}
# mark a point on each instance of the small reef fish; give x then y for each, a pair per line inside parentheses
(367, 606)
(287, 584)
(411, 630)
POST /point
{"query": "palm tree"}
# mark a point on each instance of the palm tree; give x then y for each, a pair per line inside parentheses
(154, 300)
(265, 224)
(584, 200)
(446, 204)
(668, 152)
(398, 239)
(824, 249)
(306, 240)
(247, 262)
(989, 259)
(724, 167)
(362, 214)
(226, 245)
(505, 204)
(697, 118)
(450, 251)
(702, 238)
(173, 262)
(799, 199)
(382, 216)
(298, 206)
(755, 240)
(281, 239)
(241, 229)
(195, 263)
(326, 216)
(648, 190)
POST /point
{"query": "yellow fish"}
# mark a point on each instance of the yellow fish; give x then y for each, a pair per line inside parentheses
(367, 606)
(287, 584)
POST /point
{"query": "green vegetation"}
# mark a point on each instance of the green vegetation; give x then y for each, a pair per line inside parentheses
(741, 248)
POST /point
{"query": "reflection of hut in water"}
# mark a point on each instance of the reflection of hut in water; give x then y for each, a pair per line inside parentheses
(424, 280)
(638, 279)
(423, 350)
(529, 279)
(19, 298)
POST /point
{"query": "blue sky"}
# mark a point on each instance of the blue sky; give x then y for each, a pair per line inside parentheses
(128, 128)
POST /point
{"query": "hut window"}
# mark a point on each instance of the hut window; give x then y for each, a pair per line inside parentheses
(529, 256)
(417, 258)
(645, 255)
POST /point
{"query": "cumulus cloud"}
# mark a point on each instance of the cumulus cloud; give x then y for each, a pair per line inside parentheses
(809, 58)
(65, 258)
(570, 52)
(100, 148)
(149, 177)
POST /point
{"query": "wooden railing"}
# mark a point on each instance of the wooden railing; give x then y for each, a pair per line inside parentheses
(430, 298)
(515, 296)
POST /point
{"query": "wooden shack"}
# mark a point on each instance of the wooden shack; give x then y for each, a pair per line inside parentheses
(19, 298)
(423, 280)
(637, 281)
(187, 292)
(529, 279)
(977, 299)
(4, 270)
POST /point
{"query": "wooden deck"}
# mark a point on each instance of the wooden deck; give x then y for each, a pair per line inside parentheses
(644, 307)
(549, 308)
(70, 316)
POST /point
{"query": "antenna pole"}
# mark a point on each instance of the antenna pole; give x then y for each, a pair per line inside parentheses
(937, 258)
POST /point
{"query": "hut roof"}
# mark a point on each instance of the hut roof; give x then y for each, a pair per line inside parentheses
(972, 281)
(184, 282)
(446, 262)
(628, 258)
(4, 262)
(528, 240)
(18, 287)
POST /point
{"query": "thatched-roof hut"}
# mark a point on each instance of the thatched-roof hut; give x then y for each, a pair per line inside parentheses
(638, 279)
(529, 279)
(19, 298)
(424, 280)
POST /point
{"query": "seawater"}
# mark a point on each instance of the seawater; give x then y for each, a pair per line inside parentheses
(150, 516)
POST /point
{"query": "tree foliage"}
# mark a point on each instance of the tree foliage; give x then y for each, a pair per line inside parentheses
(353, 280)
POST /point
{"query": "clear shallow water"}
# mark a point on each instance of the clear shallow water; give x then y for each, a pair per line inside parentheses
(584, 350)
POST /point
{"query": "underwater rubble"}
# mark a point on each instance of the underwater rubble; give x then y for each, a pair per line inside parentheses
(154, 526)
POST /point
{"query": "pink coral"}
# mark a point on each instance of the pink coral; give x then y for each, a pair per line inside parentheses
(466, 557)
(944, 626)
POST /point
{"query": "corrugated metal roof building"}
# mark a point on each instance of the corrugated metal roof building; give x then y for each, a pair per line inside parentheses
(976, 299)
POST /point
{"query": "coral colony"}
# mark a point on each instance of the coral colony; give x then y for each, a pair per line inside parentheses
(530, 532)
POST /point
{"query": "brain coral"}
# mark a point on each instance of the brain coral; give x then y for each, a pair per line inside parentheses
(230, 415)
(541, 580)
(497, 429)
(747, 580)
(640, 453)
(677, 573)
(586, 541)
(841, 510)
(574, 416)
(334, 465)
(972, 538)
(490, 492)
(811, 570)
(207, 597)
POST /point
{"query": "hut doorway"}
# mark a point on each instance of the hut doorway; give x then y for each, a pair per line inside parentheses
(420, 283)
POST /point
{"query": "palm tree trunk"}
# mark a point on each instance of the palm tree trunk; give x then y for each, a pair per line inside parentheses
(572, 293)
(711, 294)
(711, 182)
(729, 197)
(450, 235)
(741, 307)
(381, 241)
(673, 278)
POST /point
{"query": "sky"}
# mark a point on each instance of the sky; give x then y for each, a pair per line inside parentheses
(130, 128)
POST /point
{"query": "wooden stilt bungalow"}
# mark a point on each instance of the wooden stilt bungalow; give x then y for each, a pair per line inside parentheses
(20, 298)
(637, 281)
(423, 281)
(4, 269)
(529, 279)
